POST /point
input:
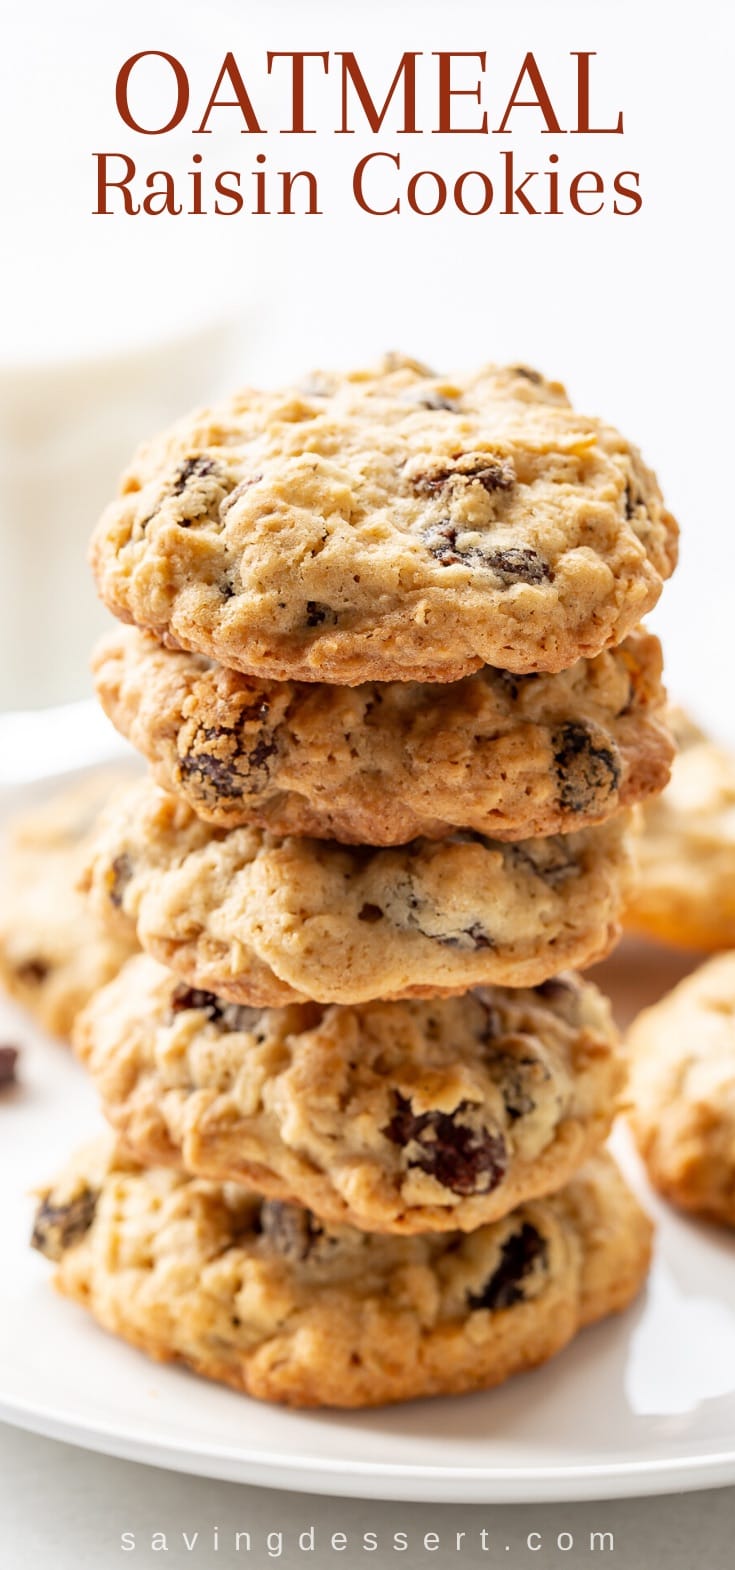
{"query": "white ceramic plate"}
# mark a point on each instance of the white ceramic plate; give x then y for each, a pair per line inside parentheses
(642, 1404)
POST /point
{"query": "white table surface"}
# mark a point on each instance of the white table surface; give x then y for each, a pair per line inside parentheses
(65, 1509)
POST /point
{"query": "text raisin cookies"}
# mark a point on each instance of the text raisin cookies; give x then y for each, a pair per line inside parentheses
(399, 1117)
(386, 665)
(54, 953)
(388, 526)
(508, 756)
(682, 1090)
(267, 1299)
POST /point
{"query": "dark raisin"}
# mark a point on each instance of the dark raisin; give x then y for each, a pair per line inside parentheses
(33, 971)
(556, 990)
(212, 771)
(235, 494)
(232, 1016)
(370, 913)
(200, 487)
(563, 996)
(493, 477)
(435, 401)
(588, 773)
(229, 775)
(464, 1159)
(515, 564)
(491, 1023)
(492, 474)
(316, 613)
(58, 1227)
(442, 542)
(633, 500)
(259, 710)
(528, 375)
(8, 1064)
(122, 872)
(518, 1256)
(550, 859)
(185, 997)
(518, 564)
(411, 910)
(191, 469)
(509, 1075)
(261, 752)
(511, 683)
(474, 937)
(289, 1229)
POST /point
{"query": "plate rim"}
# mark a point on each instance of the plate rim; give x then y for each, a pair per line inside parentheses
(393, 1482)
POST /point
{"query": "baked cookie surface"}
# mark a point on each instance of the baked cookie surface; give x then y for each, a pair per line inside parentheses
(388, 525)
(380, 764)
(54, 953)
(263, 1297)
(267, 922)
(685, 849)
(682, 1090)
(398, 1117)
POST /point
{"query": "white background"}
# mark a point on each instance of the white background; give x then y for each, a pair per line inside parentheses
(634, 314)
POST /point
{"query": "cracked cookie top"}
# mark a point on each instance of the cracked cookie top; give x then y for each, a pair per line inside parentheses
(388, 525)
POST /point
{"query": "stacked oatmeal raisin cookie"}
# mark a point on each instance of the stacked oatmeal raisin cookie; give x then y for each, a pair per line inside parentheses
(382, 652)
